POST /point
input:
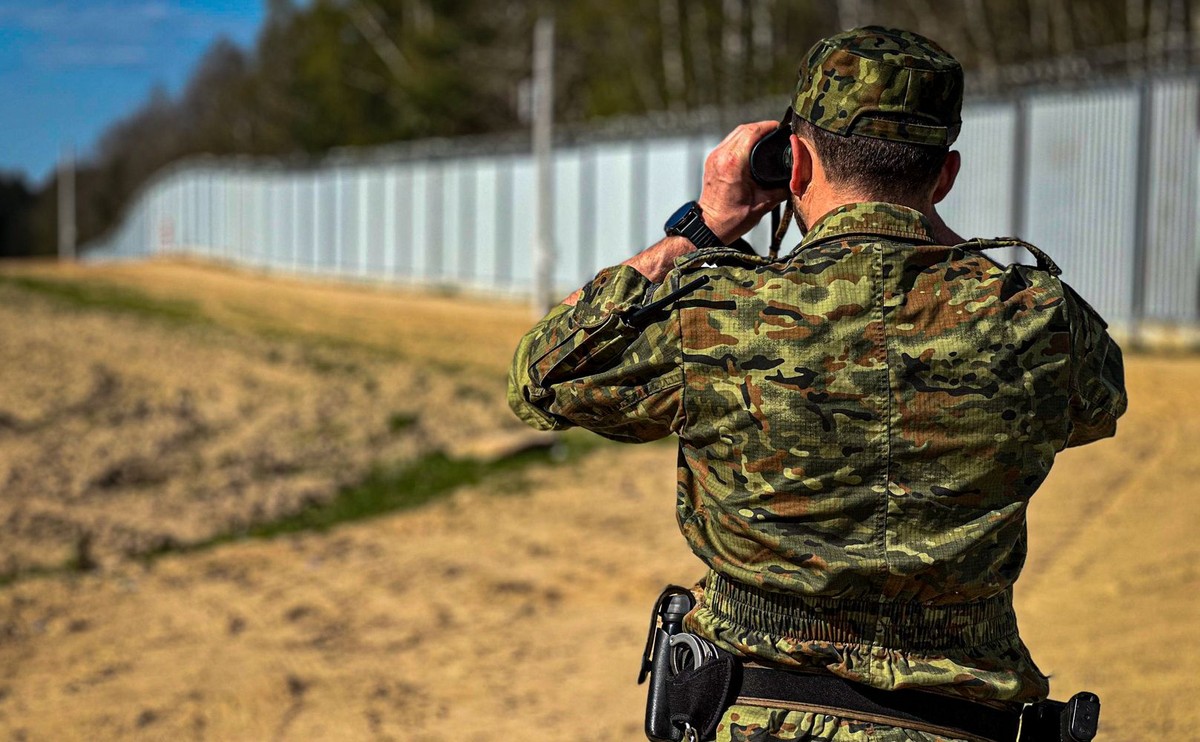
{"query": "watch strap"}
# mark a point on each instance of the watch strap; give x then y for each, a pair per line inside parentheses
(691, 226)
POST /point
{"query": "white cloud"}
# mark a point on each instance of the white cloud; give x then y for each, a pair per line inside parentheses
(103, 33)
(90, 55)
(83, 17)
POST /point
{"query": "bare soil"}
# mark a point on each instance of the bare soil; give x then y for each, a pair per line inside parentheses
(512, 609)
(124, 432)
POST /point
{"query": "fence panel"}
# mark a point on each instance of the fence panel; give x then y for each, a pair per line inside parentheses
(614, 175)
(981, 202)
(1080, 199)
(568, 217)
(667, 186)
(522, 225)
(1173, 252)
(1106, 180)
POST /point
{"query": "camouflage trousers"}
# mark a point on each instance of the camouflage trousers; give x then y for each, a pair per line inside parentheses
(758, 724)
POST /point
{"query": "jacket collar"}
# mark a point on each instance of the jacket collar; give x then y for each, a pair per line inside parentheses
(871, 218)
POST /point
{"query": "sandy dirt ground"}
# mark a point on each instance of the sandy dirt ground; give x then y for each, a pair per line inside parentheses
(508, 610)
(126, 432)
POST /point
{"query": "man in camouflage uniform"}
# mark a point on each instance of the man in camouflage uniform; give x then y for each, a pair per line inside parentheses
(861, 422)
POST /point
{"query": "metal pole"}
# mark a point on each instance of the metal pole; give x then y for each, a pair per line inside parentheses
(1019, 174)
(637, 196)
(504, 222)
(1141, 216)
(543, 132)
(435, 226)
(587, 215)
(466, 209)
(66, 204)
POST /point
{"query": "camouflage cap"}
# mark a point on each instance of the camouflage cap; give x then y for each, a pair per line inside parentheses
(860, 81)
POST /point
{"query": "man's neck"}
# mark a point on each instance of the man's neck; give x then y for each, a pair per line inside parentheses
(810, 211)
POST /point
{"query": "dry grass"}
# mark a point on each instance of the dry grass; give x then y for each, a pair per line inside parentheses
(144, 406)
(487, 615)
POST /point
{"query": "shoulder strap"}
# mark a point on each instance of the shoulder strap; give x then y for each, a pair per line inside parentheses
(1043, 260)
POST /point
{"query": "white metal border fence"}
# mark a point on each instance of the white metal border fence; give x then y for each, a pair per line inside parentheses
(1105, 180)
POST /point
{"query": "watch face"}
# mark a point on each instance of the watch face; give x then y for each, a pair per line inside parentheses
(674, 220)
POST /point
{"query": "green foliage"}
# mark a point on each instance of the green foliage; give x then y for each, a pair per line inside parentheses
(333, 73)
(385, 489)
(16, 200)
(390, 489)
(93, 295)
(399, 421)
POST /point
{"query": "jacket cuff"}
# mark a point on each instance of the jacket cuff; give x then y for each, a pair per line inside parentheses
(615, 290)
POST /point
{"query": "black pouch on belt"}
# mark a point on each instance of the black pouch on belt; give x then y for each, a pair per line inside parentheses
(1077, 720)
(699, 695)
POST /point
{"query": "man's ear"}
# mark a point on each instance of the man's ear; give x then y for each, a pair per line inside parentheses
(947, 176)
(802, 166)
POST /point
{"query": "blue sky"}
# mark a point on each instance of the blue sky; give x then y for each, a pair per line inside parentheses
(69, 68)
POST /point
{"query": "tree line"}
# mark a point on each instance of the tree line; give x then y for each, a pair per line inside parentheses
(337, 73)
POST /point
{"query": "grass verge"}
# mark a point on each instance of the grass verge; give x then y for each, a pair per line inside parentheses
(390, 489)
(93, 295)
(385, 490)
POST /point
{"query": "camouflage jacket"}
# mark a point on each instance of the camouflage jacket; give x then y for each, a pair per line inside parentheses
(861, 425)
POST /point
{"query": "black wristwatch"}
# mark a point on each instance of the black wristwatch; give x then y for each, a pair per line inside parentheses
(687, 221)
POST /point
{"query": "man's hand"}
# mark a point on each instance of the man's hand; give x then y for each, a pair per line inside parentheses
(731, 201)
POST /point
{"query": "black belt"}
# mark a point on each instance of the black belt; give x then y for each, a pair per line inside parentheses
(922, 710)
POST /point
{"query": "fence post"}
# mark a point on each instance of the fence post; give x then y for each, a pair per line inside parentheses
(468, 192)
(364, 233)
(543, 132)
(66, 205)
(1141, 216)
(504, 221)
(637, 197)
(435, 224)
(1019, 174)
(339, 220)
(587, 214)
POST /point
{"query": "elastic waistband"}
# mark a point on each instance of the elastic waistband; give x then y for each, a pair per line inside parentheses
(893, 625)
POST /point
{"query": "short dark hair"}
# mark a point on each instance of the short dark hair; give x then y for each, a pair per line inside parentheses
(883, 169)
